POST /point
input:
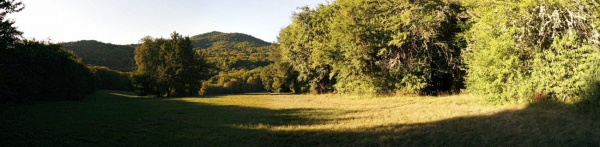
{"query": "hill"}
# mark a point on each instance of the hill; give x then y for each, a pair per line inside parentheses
(207, 40)
(225, 50)
(119, 57)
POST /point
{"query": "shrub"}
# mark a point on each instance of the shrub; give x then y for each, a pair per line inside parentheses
(519, 51)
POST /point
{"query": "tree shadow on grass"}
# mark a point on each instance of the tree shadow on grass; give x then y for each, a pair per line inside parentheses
(246, 94)
(540, 124)
(112, 118)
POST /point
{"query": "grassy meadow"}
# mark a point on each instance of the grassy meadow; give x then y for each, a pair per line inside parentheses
(115, 118)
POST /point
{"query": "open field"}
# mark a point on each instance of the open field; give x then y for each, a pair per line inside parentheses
(114, 118)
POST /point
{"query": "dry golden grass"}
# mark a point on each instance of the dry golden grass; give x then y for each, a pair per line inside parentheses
(350, 113)
(112, 118)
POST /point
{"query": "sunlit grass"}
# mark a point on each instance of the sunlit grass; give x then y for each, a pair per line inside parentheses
(113, 118)
(339, 113)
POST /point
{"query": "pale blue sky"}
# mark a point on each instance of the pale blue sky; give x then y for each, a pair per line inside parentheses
(127, 21)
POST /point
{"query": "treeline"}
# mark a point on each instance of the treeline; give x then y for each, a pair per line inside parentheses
(168, 67)
(39, 71)
(236, 62)
(223, 52)
(232, 82)
(207, 40)
(506, 51)
(374, 47)
(106, 78)
(236, 55)
(32, 71)
(118, 57)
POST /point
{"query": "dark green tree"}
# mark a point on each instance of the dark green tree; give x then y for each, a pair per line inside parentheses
(117, 57)
(279, 76)
(525, 51)
(37, 71)
(377, 46)
(167, 67)
(107, 78)
(9, 35)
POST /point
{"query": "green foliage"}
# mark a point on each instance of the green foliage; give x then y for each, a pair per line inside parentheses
(374, 46)
(207, 40)
(167, 67)
(232, 82)
(236, 55)
(280, 76)
(111, 79)
(241, 63)
(35, 71)
(119, 57)
(9, 35)
(534, 50)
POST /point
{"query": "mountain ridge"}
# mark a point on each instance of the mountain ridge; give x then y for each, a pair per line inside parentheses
(121, 57)
(206, 40)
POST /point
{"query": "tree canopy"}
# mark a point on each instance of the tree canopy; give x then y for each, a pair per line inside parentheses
(167, 67)
(33, 70)
(505, 51)
(9, 35)
(521, 51)
(119, 57)
(207, 40)
(374, 46)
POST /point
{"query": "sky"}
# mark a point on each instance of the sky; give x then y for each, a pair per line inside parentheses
(127, 21)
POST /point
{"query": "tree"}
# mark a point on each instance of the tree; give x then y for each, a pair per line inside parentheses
(534, 50)
(107, 78)
(34, 70)
(167, 67)
(9, 35)
(117, 57)
(279, 76)
(377, 46)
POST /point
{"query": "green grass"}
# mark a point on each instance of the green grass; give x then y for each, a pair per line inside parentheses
(113, 118)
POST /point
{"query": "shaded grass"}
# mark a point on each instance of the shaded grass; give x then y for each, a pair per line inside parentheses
(113, 118)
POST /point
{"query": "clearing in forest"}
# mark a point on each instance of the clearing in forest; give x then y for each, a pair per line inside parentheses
(114, 118)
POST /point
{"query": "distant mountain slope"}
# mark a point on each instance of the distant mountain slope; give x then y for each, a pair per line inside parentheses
(230, 51)
(208, 39)
(226, 50)
(119, 57)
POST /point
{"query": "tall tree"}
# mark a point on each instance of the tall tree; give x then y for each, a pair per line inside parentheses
(33, 70)
(9, 35)
(279, 76)
(167, 67)
(377, 46)
(304, 45)
(524, 51)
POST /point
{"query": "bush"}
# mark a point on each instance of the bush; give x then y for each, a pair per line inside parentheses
(376, 46)
(533, 48)
(107, 78)
(240, 81)
(41, 71)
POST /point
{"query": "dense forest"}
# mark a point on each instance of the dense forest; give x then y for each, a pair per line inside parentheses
(118, 57)
(207, 40)
(232, 57)
(503, 51)
(33, 70)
